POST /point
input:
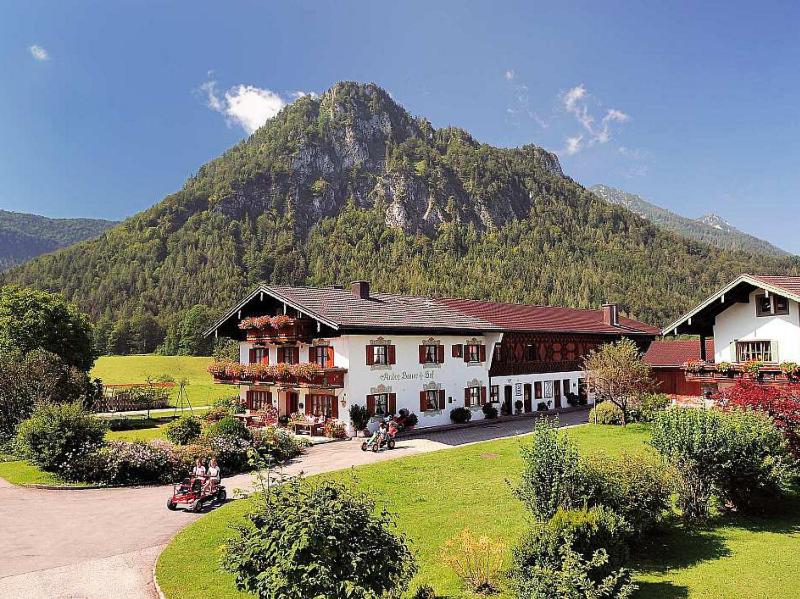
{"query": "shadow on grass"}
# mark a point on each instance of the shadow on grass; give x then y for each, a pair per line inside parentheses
(660, 590)
(678, 547)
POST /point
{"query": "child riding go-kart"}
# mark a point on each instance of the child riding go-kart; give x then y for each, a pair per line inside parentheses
(192, 493)
(383, 437)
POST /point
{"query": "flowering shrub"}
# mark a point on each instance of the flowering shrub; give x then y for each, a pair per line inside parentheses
(790, 369)
(752, 367)
(782, 403)
(138, 462)
(231, 452)
(184, 430)
(269, 415)
(724, 367)
(265, 322)
(695, 366)
(215, 415)
(334, 429)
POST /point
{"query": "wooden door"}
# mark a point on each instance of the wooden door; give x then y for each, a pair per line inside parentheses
(526, 398)
(508, 399)
(557, 393)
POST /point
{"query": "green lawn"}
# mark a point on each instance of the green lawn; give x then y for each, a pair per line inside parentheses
(20, 472)
(201, 390)
(436, 495)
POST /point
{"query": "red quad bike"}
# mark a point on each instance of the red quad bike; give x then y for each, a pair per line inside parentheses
(189, 492)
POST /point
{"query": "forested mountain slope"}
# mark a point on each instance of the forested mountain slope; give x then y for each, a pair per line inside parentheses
(349, 186)
(24, 236)
(709, 228)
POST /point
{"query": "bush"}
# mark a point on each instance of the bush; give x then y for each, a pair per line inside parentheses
(216, 414)
(124, 423)
(333, 429)
(359, 416)
(138, 462)
(55, 436)
(184, 430)
(635, 486)
(595, 541)
(518, 405)
(739, 455)
(321, 540)
(478, 561)
(231, 452)
(230, 427)
(551, 476)
(489, 411)
(232, 404)
(278, 443)
(542, 406)
(648, 406)
(606, 413)
(460, 415)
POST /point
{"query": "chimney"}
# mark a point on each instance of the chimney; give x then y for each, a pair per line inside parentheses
(611, 314)
(360, 289)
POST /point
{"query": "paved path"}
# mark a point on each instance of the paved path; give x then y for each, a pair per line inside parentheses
(103, 543)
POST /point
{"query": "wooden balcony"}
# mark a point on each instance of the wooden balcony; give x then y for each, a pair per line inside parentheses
(287, 375)
(708, 373)
(282, 330)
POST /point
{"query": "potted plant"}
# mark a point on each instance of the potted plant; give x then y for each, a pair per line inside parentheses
(489, 411)
(518, 406)
(359, 416)
(460, 415)
(695, 366)
(752, 368)
(541, 407)
(725, 369)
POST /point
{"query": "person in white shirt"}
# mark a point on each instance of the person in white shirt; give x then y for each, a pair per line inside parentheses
(214, 476)
(199, 471)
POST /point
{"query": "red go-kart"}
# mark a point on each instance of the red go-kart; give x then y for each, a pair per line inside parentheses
(190, 493)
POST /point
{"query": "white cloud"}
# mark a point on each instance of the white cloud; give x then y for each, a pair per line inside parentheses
(509, 74)
(576, 103)
(573, 145)
(39, 53)
(246, 105)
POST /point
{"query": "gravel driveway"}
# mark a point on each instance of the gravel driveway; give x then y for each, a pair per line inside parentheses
(103, 543)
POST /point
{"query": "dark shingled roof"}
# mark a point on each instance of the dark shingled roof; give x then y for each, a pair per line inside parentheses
(676, 353)
(343, 310)
(789, 284)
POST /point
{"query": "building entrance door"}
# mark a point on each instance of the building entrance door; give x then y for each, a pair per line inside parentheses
(526, 398)
(557, 393)
(507, 399)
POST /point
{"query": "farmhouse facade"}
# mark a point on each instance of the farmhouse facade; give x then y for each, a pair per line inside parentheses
(754, 322)
(321, 350)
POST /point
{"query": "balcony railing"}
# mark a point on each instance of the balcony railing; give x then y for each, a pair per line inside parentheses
(277, 329)
(707, 372)
(294, 375)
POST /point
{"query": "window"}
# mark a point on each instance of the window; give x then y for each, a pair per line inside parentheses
(567, 386)
(259, 355)
(537, 389)
(458, 350)
(530, 353)
(322, 405)
(772, 305)
(431, 353)
(380, 354)
(759, 351)
(498, 352)
(472, 353)
(381, 404)
(431, 400)
(494, 393)
(258, 400)
(288, 355)
(472, 396)
(319, 355)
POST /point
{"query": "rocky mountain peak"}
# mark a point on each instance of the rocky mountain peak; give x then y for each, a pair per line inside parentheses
(716, 221)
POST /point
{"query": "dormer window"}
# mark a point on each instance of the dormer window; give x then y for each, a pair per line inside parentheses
(771, 305)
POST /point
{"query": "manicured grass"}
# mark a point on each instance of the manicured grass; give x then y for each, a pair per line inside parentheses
(141, 434)
(20, 472)
(436, 495)
(201, 389)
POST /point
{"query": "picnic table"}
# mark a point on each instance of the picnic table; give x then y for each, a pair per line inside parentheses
(310, 428)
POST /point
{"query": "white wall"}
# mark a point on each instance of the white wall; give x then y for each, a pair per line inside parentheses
(739, 322)
(522, 379)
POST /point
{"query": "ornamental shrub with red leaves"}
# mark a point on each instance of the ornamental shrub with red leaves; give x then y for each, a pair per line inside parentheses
(781, 402)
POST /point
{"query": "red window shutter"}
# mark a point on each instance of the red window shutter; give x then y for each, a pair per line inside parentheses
(309, 401)
(393, 403)
(483, 353)
(371, 404)
(423, 401)
(370, 356)
(251, 356)
(334, 406)
(312, 354)
(265, 356)
(441, 399)
(466, 396)
(440, 354)
(329, 357)
(269, 397)
(483, 395)
(281, 355)
(457, 350)
(421, 354)
(392, 354)
(465, 353)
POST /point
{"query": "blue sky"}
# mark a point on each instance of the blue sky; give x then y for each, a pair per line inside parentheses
(106, 107)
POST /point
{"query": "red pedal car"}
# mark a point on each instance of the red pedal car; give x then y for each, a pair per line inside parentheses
(189, 492)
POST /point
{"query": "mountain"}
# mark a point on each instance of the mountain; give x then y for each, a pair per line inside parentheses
(25, 236)
(347, 186)
(710, 228)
